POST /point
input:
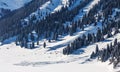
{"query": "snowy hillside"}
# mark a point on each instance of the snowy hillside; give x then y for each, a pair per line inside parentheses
(14, 4)
(11, 5)
(13, 58)
(60, 36)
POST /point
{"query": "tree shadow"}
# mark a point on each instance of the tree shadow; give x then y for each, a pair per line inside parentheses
(56, 47)
(86, 61)
(34, 64)
(106, 40)
(8, 41)
(78, 52)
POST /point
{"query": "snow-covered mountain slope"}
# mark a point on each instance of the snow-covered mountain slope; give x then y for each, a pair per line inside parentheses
(48, 8)
(11, 5)
(14, 4)
(51, 59)
(56, 5)
(15, 58)
(86, 9)
(64, 40)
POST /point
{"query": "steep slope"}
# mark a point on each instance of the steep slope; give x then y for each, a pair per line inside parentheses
(16, 17)
(11, 22)
(8, 5)
(14, 4)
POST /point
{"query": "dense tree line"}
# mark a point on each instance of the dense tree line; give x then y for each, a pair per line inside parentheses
(108, 26)
(10, 24)
(52, 25)
(88, 39)
(91, 38)
(4, 12)
(111, 53)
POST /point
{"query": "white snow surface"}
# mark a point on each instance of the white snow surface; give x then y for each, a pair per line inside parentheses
(16, 59)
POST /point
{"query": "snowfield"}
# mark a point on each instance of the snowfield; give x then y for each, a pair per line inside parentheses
(16, 59)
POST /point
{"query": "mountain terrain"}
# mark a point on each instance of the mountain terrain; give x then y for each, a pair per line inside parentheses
(60, 35)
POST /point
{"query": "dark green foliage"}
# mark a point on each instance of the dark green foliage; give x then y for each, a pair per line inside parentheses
(96, 53)
(111, 53)
(92, 55)
(11, 24)
(44, 44)
(98, 36)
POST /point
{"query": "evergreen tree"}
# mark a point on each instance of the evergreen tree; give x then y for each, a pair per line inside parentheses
(33, 45)
(44, 45)
(115, 42)
(92, 55)
(96, 51)
(98, 35)
(37, 42)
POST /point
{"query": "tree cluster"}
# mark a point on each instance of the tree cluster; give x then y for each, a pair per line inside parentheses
(108, 26)
(111, 53)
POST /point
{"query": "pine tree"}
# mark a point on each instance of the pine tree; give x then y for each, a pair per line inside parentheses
(68, 49)
(92, 55)
(115, 42)
(99, 35)
(97, 50)
(84, 41)
(33, 45)
(37, 42)
(71, 31)
(109, 34)
(44, 45)
(49, 40)
(93, 38)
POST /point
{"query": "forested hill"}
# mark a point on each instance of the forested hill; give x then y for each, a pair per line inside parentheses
(11, 22)
(7, 6)
(47, 32)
